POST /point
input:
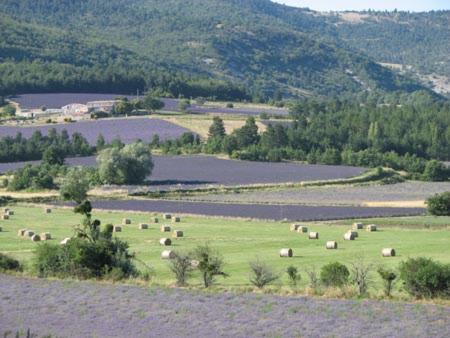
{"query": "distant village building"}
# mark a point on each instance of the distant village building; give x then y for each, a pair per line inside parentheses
(32, 113)
(104, 106)
(75, 109)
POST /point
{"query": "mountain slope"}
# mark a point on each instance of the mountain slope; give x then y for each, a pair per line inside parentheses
(267, 47)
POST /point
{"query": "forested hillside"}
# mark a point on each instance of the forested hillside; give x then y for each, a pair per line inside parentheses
(193, 48)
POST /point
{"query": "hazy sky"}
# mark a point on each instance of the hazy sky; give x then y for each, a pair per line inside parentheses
(336, 5)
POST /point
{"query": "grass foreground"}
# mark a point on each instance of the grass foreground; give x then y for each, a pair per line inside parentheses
(240, 241)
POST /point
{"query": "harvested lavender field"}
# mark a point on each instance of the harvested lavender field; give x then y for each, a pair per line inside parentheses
(86, 309)
(257, 211)
(128, 129)
(411, 191)
(183, 172)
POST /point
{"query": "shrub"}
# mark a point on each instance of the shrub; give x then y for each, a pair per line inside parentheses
(334, 274)
(313, 277)
(34, 177)
(261, 274)
(439, 204)
(230, 105)
(210, 264)
(360, 275)
(435, 171)
(388, 277)
(9, 264)
(294, 276)
(425, 278)
(75, 185)
(181, 267)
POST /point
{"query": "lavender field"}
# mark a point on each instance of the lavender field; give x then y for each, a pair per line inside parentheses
(87, 309)
(176, 172)
(61, 99)
(128, 129)
(256, 211)
(336, 195)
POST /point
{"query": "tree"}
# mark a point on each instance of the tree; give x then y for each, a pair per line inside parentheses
(181, 267)
(217, 129)
(261, 274)
(123, 107)
(436, 171)
(360, 275)
(152, 103)
(75, 185)
(439, 204)
(294, 276)
(53, 155)
(210, 264)
(9, 109)
(388, 277)
(129, 165)
(334, 274)
(248, 134)
(100, 144)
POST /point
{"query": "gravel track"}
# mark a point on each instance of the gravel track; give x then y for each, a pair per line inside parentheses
(88, 309)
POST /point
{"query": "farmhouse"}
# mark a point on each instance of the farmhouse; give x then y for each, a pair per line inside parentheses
(103, 106)
(76, 109)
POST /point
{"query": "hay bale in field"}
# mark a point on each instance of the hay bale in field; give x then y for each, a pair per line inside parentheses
(372, 227)
(5, 210)
(349, 236)
(176, 219)
(302, 229)
(155, 220)
(48, 210)
(286, 253)
(388, 252)
(357, 226)
(165, 228)
(65, 241)
(195, 263)
(177, 233)
(167, 254)
(332, 245)
(167, 216)
(313, 235)
(1, 229)
(28, 233)
(165, 241)
(126, 221)
(117, 228)
(36, 238)
(45, 236)
(9, 213)
(5, 217)
(295, 226)
(21, 232)
(143, 226)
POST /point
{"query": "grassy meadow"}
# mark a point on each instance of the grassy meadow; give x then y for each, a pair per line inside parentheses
(240, 241)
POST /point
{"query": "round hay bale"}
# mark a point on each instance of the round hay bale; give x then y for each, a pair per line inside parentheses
(28, 233)
(155, 220)
(286, 253)
(165, 228)
(195, 263)
(177, 233)
(349, 236)
(167, 254)
(372, 227)
(357, 226)
(1, 229)
(117, 228)
(126, 221)
(5, 217)
(36, 238)
(388, 252)
(143, 226)
(48, 210)
(45, 236)
(165, 241)
(10, 213)
(167, 216)
(65, 241)
(295, 226)
(21, 232)
(302, 229)
(5, 210)
(313, 235)
(332, 245)
(176, 219)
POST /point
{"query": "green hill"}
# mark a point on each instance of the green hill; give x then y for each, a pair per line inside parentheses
(188, 47)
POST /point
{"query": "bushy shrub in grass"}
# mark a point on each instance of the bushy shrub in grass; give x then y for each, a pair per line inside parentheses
(261, 274)
(181, 267)
(9, 264)
(294, 276)
(425, 278)
(389, 278)
(439, 204)
(334, 274)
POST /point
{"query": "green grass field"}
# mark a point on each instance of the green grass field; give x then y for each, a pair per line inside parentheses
(240, 241)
